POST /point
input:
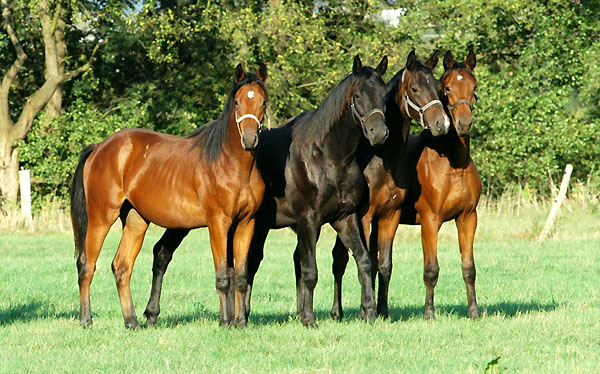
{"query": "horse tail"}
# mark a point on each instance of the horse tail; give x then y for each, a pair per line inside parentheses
(79, 217)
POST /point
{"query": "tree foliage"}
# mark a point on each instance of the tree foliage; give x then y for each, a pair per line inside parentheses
(538, 70)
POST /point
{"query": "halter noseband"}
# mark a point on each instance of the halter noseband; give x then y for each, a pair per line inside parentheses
(420, 110)
(252, 116)
(363, 119)
(461, 101)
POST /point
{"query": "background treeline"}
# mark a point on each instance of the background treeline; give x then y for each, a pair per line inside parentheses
(168, 65)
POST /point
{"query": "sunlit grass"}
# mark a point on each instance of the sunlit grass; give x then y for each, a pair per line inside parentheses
(539, 302)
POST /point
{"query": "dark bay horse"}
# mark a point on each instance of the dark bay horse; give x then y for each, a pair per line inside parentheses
(312, 178)
(433, 180)
(206, 179)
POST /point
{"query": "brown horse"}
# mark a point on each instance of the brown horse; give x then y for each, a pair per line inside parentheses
(430, 181)
(206, 179)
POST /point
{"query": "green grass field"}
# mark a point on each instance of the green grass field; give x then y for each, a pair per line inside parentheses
(540, 304)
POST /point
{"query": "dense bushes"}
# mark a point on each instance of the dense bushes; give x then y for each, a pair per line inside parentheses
(538, 70)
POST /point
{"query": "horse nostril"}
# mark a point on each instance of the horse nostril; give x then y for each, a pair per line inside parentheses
(438, 125)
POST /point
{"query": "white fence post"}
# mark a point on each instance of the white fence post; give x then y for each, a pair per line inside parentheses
(25, 184)
(562, 193)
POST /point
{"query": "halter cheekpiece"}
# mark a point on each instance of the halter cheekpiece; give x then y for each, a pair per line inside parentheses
(363, 119)
(420, 110)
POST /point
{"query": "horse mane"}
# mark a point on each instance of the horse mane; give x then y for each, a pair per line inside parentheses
(210, 136)
(314, 125)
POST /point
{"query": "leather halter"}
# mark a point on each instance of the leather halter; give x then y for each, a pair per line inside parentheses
(363, 119)
(420, 110)
(238, 120)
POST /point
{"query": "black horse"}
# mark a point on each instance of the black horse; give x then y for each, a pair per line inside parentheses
(312, 178)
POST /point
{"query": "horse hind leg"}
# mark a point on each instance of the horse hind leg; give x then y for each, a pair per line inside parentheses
(466, 225)
(134, 231)
(338, 268)
(86, 263)
(163, 253)
(349, 232)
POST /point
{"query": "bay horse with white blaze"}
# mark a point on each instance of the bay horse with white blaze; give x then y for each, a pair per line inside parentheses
(206, 179)
(430, 181)
(312, 178)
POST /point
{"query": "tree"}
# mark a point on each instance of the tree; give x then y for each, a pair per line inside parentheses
(11, 131)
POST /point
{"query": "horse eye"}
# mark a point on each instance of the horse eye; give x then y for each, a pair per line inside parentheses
(356, 96)
(414, 89)
(236, 103)
(448, 89)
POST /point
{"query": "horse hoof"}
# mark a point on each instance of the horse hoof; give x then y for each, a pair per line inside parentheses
(383, 313)
(336, 315)
(224, 324)
(368, 314)
(473, 312)
(85, 323)
(429, 314)
(132, 325)
(240, 323)
(309, 321)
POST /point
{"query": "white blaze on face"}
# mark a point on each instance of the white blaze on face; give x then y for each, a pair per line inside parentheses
(459, 77)
(251, 94)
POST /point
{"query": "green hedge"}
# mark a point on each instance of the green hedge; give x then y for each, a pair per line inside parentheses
(538, 70)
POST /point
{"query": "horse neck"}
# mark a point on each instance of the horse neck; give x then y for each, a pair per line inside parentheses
(456, 148)
(232, 145)
(344, 137)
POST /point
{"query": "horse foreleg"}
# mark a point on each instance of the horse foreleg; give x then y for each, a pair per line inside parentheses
(163, 253)
(131, 242)
(340, 260)
(349, 232)
(308, 233)
(466, 225)
(429, 236)
(86, 265)
(218, 230)
(241, 244)
(385, 239)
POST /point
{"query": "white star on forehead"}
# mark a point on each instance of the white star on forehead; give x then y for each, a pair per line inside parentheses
(459, 77)
(251, 94)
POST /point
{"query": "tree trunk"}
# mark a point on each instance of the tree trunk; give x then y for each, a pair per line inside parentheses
(56, 68)
(51, 91)
(9, 171)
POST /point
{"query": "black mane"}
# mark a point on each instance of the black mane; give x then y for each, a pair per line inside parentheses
(313, 126)
(210, 136)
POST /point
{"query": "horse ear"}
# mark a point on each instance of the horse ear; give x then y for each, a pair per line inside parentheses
(411, 61)
(471, 61)
(239, 74)
(448, 60)
(357, 65)
(382, 67)
(432, 61)
(262, 72)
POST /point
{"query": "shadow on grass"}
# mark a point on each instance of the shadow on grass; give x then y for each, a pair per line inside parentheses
(32, 311)
(37, 310)
(397, 313)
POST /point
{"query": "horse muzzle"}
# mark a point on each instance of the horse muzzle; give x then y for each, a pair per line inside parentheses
(249, 141)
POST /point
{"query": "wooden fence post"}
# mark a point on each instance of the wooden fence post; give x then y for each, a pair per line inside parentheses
(562, 193)
(25, 185)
